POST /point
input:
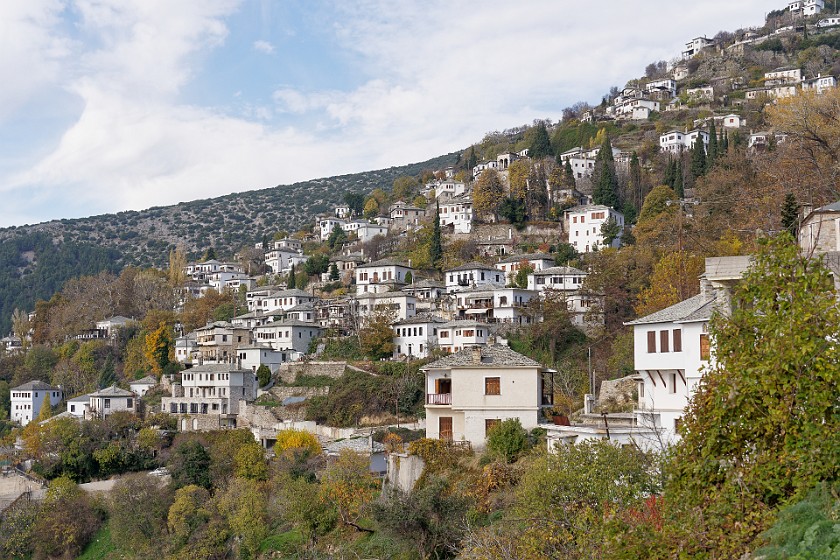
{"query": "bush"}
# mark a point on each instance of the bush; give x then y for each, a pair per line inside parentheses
(263, 375)
(507, 439)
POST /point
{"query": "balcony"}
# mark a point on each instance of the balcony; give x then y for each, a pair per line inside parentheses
(439, 398)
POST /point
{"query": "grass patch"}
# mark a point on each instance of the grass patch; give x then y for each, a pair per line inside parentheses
(286, 543)
(100, 547)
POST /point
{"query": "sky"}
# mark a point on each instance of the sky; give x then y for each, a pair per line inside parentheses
(111, 105)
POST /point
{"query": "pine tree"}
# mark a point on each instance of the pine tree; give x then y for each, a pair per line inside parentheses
(436, 246)
(291, 283)
(569, 174)
(334, 272)
(698, 157)
(790, 214)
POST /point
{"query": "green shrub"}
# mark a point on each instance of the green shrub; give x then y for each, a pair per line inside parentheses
(507, 439)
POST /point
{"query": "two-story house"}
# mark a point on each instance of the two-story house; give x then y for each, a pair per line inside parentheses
(457, 212)
(107, 401)
(289, 335)
(26, 400)
(471, 275)
(469, 392)
(281, 300)
(511, 265)
(400, 305)
(454, 336)
(416, 337)
(218, 341)
(381, 276)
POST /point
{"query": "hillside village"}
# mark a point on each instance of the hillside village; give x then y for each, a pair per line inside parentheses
(564, 286)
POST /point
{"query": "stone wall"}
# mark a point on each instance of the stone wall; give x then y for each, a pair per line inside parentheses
(404, 470)
(289, 372)
(618, 395)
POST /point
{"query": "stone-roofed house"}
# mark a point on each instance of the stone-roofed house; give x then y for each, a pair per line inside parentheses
(290, 336)
(142, 386)
(417, 336)
(26, 400)
(454, 336)
(473, 274)
(819, 231)
(280, 300)
(209, 396)
(107, 401)
(512, 264)
(469, 392)
(79, 406)
(218, 341)
(384, 275)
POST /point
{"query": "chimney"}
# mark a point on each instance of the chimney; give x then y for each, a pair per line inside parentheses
(476, 354)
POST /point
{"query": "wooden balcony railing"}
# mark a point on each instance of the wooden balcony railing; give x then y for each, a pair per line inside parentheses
(439, 398)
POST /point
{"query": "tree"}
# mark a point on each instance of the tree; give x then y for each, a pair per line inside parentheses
(674, 279)
(337, 238)
(698, 157)
(210, 254)
(409, 278)
(371, 208)
(177, 263)
(488, 193)
(569, 174)
(404, 188)
(761, 430)
(520, 279)
(471, 159)
(436, 246)
(507, 439)
(334, 276)
(296, 439)
(349, 486)
(610, 231)
(188, 512)
(540, 145)
(66, 522)
(244, 505)
(291, 282)
(518, 173)
(606, 182)
(190, 464)
(376, 337)
(160, 348)
(356, 202)
(263, 375)
(714, 149)
(679, 179)
(564, 254)
(790, 214)
(513, 210)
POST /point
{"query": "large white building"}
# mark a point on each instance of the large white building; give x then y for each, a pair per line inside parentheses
(26, 400)
(416, 337)
(676, 141)
(474, 274)
(584, 226)
(291, 337)
(470, 391)
(381, 276)
(458, 213)
(107, 401)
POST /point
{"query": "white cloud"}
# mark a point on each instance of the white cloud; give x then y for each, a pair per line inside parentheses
(434, 76)
(263, 47)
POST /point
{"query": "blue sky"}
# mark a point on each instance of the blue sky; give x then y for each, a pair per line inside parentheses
(111, 105)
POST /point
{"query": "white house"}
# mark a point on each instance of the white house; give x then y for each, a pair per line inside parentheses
(567, 282)
(696, 45)
(472, 274)
(186, 347)
(458, 213)
(417, 336)
(401, 304)
(672, 346)
(281, 259)
(281, 300)
(342, 211)
(110, 400)
(79, 406)
(584, 226)
(208, 396)
(289, 335)
(26, 400)
(812, 7)
(381, 276)
(112, 324)
(326, 226)
(367, 231)
(511, 265)
(783, 76)
(454, 336)
(496, 304)
(820, 83)
(666, 88)
(449, 188)
(829, 22)
(218, 341)
(676, 141)
(819, 231)
(142, 386)
(702, 93)
(469, 392)
(403, 214)
(252, 357)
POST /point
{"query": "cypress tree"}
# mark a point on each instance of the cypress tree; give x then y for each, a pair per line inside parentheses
(606, 187)
(291, 283)
(679, 180)
(790, 214)
(670, 173)
(713, 146)
(570, 175)
(472, 161)
(436, 246)
(698, 157)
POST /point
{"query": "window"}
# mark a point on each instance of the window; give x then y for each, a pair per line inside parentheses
(673, 383)
(129, 403)
(663, 341)
(489, 424)
(705, 349)
(651, 342)
(107, 403)
(492, 386)
(677, 340)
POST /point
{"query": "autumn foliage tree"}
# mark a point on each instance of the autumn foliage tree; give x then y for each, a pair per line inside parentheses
(488, 193)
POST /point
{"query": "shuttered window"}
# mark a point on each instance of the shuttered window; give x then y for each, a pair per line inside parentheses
(651, 336)
(677, 340)
(663, 341)
(492, 386)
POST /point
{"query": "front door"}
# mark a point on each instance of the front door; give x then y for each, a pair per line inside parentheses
(445, 428)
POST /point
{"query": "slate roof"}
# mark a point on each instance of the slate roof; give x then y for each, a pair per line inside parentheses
(428, 284)
(148, 380)
(80, 399)
(292, 292)
(531, 257)
(215, 368)
(423, 318)
(475, 265)
(564, 270)
(496, 355)
(35, 386)
(384, 262)
(833, 207)
(697, 308)
(288, 323)
(465, 323)
(112, 391)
